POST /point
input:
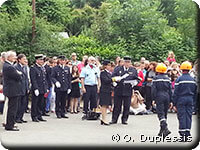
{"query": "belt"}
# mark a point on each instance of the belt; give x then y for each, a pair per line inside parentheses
(91, 85)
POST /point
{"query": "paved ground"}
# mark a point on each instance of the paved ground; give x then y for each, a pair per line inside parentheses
(141, 131)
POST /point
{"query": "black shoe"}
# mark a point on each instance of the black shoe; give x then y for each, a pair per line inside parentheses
(18, 121)
(63, 116)
(11, 129)
(23, 121)
(113, 122)
(35, 120)
(161, 132)
(124, 122)
(103, 123)
(166, 132)
(45, 114)
(58, 116)
(41, 119)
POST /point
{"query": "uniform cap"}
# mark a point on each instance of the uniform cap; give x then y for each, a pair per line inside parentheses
(106, 62)
(61, 57)
(127, 58)
(39, 56)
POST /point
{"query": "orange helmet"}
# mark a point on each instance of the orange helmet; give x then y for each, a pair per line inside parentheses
(186, 65)
(161, 68)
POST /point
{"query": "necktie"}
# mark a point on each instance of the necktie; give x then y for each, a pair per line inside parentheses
(91, 66)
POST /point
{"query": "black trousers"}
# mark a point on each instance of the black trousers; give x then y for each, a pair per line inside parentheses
(90, 98)
(44, 103)
(21, 107)
(27, 101)
(36, 105)
(148, 97)
(12, 111)
(118, 102)
(61, 97)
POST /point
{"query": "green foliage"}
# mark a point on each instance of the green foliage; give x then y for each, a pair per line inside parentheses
(105, 28)
(83, 45)
(81, 19)
(55, 11)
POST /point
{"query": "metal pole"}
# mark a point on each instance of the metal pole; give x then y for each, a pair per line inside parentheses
(33, 21)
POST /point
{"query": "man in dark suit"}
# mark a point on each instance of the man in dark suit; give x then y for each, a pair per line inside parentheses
(61, 77)
(50, 83)
(11, 89)
(20, 66)
(125, 76)
(39, 88)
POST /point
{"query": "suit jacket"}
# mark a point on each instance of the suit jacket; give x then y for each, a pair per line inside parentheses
(106, 82)
(24, 82)
(38, 79)
(123, 89)
(11, 80)
(63, 76)
(49, 80)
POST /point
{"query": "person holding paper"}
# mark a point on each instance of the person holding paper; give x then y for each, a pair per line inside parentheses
(125, 77)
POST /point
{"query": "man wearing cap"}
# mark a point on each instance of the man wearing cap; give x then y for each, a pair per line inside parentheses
(39, 87)
(74, 59)
(125, 77)
(61, 77)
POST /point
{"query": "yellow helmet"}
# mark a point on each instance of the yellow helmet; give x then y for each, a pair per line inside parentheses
(186, 65)
(161, 68)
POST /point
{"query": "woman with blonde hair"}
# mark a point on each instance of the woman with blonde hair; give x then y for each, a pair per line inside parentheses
(171, 57)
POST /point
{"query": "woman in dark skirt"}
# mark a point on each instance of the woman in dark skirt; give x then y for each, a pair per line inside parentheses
(105, 90)
(75, 93)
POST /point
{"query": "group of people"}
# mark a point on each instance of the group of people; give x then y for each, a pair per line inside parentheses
(139, 87)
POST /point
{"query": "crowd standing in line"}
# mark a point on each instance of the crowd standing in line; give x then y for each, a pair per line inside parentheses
(60, 85)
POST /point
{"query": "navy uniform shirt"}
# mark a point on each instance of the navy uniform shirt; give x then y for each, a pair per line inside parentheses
(124, 89)
(62, 75)
(185, 86)
(38, 77)
(161, 87)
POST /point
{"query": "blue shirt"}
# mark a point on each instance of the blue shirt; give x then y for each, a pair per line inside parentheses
(90, 75)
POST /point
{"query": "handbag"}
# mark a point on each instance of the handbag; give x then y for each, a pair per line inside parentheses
(90, 115)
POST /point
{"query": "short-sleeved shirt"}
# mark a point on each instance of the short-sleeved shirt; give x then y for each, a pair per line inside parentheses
(75, 62)
(90, 75)
(80, 66)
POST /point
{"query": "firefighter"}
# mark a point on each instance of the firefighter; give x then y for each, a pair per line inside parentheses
(162, 94)
(184, 94)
